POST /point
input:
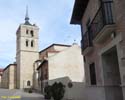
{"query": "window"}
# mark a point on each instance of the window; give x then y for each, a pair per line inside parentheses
(32, 43)
(92, 74)
(28, 83)
(32, 33)
(27, 31)
(27, 43)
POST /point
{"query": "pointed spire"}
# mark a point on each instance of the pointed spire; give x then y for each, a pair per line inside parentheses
(27, 16)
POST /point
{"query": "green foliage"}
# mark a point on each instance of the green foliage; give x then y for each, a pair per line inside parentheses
(58, 90)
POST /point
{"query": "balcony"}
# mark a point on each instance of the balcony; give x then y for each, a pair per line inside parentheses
(86, 42)
(103, 22)
(100, 28)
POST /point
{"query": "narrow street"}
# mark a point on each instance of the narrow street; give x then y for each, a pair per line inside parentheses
(6, 94)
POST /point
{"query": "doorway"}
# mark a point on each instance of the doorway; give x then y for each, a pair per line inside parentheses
(111, 75)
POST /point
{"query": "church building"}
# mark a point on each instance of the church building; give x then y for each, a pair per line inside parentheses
(26, 52)
(63, 63)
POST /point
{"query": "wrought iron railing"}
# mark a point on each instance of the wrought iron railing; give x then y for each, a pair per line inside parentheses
(104, 16)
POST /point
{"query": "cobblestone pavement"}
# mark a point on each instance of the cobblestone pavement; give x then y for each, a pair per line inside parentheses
(6, 94)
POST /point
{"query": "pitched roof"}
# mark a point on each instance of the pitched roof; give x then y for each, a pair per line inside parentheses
(54, 45)
(9, 66)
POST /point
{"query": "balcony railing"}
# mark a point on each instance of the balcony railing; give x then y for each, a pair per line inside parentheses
(102, 18)
(86, 40)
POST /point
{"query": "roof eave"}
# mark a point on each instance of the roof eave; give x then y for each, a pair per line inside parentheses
(78, 11)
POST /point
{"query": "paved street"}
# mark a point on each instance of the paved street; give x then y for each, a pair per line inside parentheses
(6, 94)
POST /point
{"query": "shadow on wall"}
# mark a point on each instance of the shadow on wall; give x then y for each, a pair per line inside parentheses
(73, 90)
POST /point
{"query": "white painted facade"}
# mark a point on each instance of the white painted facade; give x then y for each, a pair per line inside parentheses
(67, 63)
(66, 66)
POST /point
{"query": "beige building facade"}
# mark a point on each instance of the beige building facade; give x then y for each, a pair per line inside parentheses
(9, 78)
(26, 53)
(63, 64)
(103, 47)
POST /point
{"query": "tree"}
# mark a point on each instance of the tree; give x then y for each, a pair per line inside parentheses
(57, 90)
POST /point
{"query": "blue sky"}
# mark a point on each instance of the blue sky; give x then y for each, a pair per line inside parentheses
(51, 16)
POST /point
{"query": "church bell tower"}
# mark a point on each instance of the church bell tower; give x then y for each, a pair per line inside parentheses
(26, 52)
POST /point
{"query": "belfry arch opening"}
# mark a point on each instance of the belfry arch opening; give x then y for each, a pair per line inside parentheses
(32, 43)
(27, 43)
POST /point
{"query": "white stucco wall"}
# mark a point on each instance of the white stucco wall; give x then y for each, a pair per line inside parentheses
(68, 63)
(67, 66)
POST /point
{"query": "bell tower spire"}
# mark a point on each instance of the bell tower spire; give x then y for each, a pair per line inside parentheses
(27, 17)
(26, 52)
